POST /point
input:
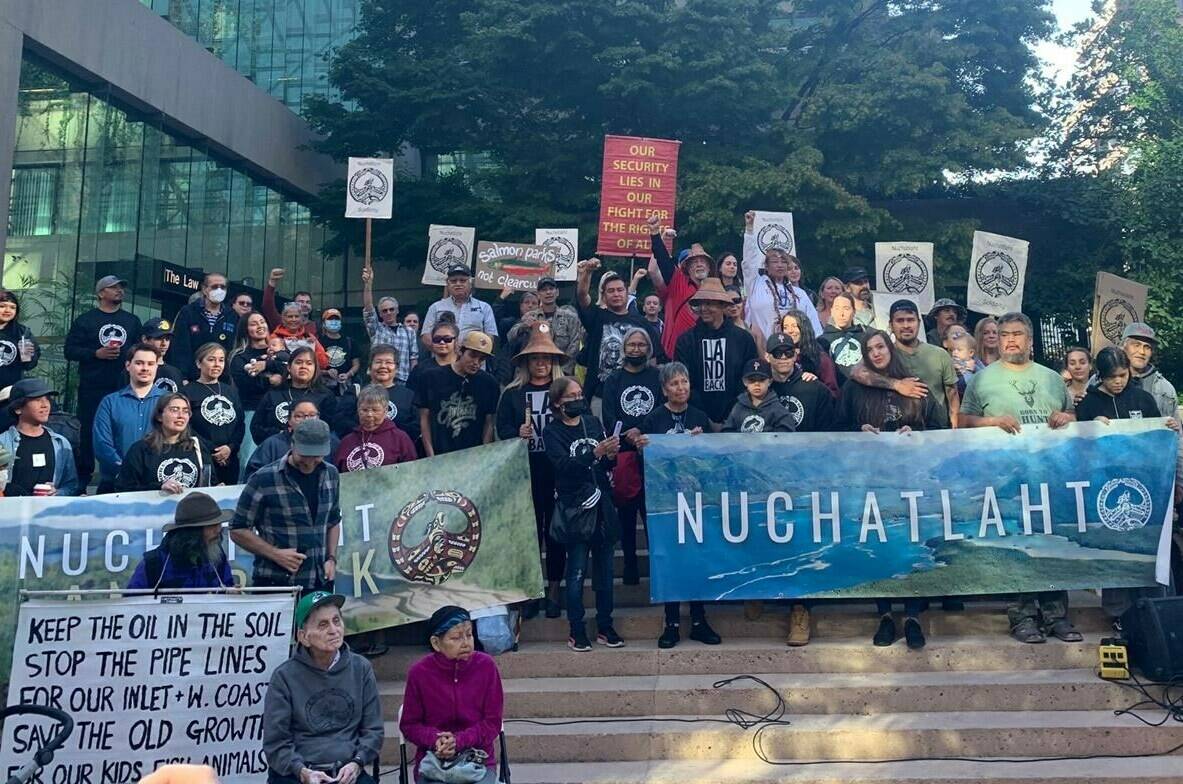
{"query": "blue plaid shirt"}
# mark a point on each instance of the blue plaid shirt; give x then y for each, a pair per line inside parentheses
(273, 505)
(404, 340)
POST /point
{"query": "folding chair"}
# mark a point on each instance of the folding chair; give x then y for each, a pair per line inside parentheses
(404, 776)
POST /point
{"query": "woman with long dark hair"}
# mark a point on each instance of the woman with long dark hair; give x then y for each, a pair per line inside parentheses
(19, 351)
(814, 360)
(874, 410)
(303, 383)
(253, 372)
(170, 458)
(218, 415)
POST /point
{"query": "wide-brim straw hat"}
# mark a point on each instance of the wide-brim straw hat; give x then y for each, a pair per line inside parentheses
(711, 290)
(540, 343)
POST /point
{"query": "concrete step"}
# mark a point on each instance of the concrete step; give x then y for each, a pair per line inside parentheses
(840, 737)
(746, 655)
(821, 693)
(1135, 770)
(831, 620)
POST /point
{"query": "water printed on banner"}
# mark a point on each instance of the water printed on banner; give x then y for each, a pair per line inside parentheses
(965, 512)
(149, 681)
(905, 268)
(513, 265)
(565, 243)
(997, 269)
(774, 230)
(446, 246)
(1117, 303)
(369, 188)
(881, 302)
(639, 178)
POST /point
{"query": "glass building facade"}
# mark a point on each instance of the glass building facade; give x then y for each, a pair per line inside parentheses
(280, 45)
(99, 190)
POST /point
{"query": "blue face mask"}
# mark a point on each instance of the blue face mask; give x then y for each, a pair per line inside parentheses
(333, 325)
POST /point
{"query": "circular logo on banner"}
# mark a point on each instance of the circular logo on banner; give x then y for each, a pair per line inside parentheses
(330, 710)
(905, 273)
(996, 274)
(368, 185)
(112, 333)
(637, 401)
(180, 469)
(752, 423)
(1116, 315)
(564, 252)
(795, 407)
(430, 545)
(7, 353)
(281, 412)
(336, 356)
(1124, 504)
(363, 456)
(445, 253)
(774, 235)
(218, 410)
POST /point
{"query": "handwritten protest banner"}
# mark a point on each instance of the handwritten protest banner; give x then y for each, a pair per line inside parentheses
(905, 268)
(501, 264)
(453, 529)
(149, 681)
(976, 511)
(639, 179)
(1117, 303)
(446, 245)
(565, 243)
(997, 269)
(774, 230)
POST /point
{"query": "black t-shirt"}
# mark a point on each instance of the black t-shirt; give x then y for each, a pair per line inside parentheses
(421, 369)
(218, 416)
(168, 378)
(340, 350)
(605, 342)
(459, 406)
(144, 469)
(662, 420)
(34, 464)
(310, 487)
(629, 398)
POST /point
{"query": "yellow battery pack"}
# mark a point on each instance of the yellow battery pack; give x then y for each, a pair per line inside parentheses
(1114, 658)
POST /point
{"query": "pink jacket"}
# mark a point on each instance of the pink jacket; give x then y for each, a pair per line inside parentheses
(463, 698)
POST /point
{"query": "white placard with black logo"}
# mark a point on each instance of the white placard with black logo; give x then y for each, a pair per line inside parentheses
(905, 268)
(565, 243)
(775, 230)
(997, 268)
(369, 188)
(447, 245)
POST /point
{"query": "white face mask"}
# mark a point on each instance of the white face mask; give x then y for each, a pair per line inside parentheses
(217, 295)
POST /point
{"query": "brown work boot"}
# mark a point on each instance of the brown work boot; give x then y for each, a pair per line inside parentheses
(799, 626)
(753, 609)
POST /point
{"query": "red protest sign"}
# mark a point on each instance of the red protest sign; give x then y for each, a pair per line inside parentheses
(639, 179)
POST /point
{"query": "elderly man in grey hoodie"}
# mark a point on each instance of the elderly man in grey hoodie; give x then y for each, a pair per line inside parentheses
(322, 721)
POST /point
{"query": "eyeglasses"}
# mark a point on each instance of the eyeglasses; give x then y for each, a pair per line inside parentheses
(388, 310)
(439, 339)
(246, 303)
(177, 410)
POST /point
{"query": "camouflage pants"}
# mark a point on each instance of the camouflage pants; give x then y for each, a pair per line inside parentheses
(1045, 607)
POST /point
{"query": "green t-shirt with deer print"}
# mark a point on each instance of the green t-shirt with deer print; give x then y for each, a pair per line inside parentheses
(1030, 395)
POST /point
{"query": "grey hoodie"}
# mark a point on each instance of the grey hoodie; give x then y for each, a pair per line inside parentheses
(769, 417)
(320, 717)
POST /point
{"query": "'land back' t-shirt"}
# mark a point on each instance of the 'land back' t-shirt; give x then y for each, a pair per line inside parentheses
(1030, 395)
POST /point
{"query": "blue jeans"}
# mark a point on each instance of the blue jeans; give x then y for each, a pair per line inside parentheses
(601, 554)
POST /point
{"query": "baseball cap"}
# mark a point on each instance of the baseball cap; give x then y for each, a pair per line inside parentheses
(903, 306)
(478, 341)
(855, 273)
(779, 340)
(1141, 331)
(757, 368)
(311, 438)
(330, 312)
(459, 269)
(157, 327)
(546, 280)
(311, 601)
(107, 281)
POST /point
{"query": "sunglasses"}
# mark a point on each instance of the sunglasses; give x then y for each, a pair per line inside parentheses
(784, 354)
(438, 339)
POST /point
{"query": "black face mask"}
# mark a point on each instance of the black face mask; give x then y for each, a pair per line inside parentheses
(574, 408)
(635, 361)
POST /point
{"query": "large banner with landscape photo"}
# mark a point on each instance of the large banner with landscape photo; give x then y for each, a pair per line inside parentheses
(454, 529)
(833, 515)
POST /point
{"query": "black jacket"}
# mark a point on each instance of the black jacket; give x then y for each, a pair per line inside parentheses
(809, 402)
(578, 472)
(12, 369)
(1133, 403)
(191, 330)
